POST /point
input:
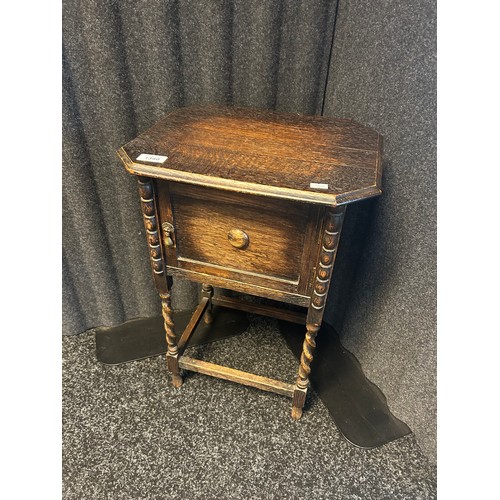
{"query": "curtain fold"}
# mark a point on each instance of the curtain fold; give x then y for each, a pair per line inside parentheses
(125, 65)
(383, 74)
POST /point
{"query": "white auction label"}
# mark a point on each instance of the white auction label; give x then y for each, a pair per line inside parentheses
(318, 185)
(152, 158)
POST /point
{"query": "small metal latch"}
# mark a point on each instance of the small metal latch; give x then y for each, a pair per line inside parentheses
(168, 231)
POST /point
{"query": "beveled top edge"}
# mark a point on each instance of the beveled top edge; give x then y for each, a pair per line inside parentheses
(181, 169)
(326, 199)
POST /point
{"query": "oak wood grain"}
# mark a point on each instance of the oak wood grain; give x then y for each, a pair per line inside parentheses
(282, 236)
(252, 201)
(328, 244)
(262, 152)
(149, 201)
(245, 378)
(240, 285)
(193, 323)
(275, 232)
(262, 309)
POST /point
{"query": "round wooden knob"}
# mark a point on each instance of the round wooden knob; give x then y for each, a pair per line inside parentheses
(238, 238)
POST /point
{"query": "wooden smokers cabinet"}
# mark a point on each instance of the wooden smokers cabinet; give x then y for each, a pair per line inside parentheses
(251, 201)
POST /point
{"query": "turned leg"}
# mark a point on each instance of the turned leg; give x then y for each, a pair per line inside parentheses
(172, 352)
(208, 291)
(302, 382)
(163, 282)
(324, 267)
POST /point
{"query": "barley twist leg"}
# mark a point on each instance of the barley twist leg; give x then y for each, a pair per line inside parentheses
(172, 353)
(302, 382)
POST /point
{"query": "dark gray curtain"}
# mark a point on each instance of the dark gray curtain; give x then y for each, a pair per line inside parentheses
(127, 63)
(383, 74)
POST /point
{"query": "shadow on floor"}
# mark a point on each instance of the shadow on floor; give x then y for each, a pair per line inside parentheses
(356, 405)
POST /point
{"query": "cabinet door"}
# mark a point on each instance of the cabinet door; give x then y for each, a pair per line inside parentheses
(254, 239)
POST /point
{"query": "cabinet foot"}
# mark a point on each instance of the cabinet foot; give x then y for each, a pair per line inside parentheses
(176, 380)
(296, 413)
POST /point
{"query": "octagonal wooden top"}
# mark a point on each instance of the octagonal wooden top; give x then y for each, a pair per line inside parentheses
(305, 158)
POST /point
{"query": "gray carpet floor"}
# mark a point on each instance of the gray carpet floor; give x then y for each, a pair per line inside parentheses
(128, 434)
